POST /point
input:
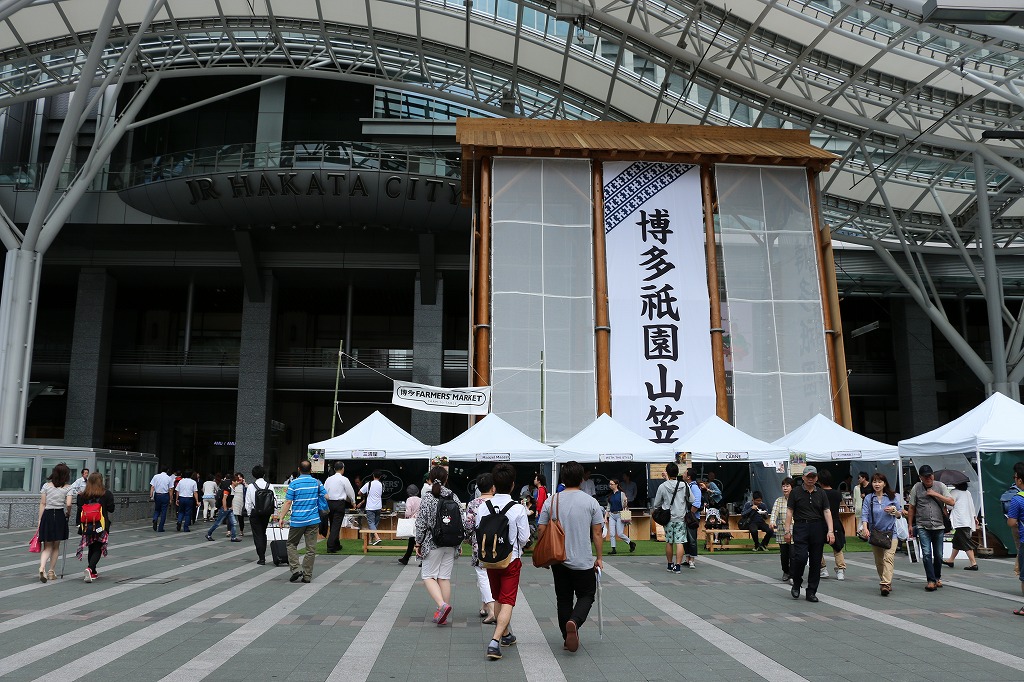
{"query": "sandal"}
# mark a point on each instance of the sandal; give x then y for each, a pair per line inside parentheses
(886, 589)
(490, 620)
(938, 583)
(1019, 612)
(948, 563)
(930, 587)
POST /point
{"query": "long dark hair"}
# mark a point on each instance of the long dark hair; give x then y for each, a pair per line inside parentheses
(439, 475)
(887, 491)
(60, 475)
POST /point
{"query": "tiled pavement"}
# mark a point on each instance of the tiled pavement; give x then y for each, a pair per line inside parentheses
(172, 606)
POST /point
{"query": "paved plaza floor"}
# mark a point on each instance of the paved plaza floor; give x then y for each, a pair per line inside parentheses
(172, 606)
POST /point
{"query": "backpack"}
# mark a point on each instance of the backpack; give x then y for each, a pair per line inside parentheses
(448, 530)
(494, 549)
(265, 501)
(92, 512)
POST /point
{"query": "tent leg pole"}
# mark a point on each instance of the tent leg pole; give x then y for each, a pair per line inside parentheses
(981, 496)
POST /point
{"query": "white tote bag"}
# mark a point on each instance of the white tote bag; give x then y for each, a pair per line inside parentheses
(406, 528)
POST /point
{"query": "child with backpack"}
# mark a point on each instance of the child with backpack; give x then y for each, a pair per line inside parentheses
(440, 531)
(501, 528)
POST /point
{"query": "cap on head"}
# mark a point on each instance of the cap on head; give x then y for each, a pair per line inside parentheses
(926, 470)
(810, 471)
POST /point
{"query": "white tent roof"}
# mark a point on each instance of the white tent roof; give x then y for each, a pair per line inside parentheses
(716, 440)
(375, 434)
(492, 439)
(993, 426)
(822, 440)
(606, 440)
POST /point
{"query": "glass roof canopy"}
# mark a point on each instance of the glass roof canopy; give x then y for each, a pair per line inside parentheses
(904, 104)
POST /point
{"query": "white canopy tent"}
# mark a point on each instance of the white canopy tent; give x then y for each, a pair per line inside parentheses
(993, 426)
(376, 437)
(492, 439)
(606, 440)
(716, 440)
(823, 440)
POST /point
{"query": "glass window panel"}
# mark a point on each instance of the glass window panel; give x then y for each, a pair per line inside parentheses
(15, 474)
(75, 465)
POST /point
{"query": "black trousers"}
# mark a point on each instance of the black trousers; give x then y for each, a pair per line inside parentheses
(258, 525)
(757, 524)
(95, 552)
(335, 516)
(808, 545)
(409, 550)
(574, 594)
(784, 556)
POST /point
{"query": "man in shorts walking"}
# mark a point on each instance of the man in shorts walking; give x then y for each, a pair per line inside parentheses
(505, 581)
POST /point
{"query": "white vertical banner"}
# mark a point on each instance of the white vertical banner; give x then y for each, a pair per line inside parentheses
(662, 374)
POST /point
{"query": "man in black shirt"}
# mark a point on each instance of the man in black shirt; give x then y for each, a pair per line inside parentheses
(807, 516)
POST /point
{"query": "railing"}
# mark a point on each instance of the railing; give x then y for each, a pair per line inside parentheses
(372, 358)
(432, 161)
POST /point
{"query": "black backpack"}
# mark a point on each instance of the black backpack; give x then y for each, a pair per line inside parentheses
(265, 501)
(448, 528)
(493, 547)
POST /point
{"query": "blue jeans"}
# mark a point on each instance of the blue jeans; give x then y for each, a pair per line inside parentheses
(931, 551)
(160, 503)
(373, 518)
(186, 511)
(221, 515)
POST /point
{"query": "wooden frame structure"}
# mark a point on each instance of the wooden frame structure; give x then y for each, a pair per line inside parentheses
(602, 141)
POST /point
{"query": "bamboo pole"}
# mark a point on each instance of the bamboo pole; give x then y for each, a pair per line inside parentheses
(482, 314)
(717, 332)
(830, 307)
(602, 322)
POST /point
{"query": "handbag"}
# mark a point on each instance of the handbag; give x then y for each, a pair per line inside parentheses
(550, 549)
(406, 528)
(34, 545)
(663, 516)
(878, 538)
(690, 519)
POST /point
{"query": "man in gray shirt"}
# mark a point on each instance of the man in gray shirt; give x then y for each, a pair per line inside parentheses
(576, 578)
(928, 501)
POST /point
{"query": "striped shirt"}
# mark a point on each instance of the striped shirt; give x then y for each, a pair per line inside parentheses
(305, 492)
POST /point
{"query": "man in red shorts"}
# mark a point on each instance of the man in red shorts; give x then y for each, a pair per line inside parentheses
(505, 581)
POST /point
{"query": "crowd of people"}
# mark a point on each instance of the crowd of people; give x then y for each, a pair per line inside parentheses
(500, 526)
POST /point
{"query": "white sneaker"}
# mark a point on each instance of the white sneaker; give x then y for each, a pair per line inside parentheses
(824, 573)
(840, 574)
(88, 576)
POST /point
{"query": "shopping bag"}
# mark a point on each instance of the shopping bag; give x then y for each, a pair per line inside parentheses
(34, 545)
(406, 528)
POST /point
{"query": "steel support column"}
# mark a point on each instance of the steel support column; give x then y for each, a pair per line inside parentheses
(1000, 381)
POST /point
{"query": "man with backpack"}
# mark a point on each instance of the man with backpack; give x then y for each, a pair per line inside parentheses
(260, 503)
(502, 529)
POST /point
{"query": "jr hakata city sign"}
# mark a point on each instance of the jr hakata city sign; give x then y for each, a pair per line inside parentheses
(305, 196)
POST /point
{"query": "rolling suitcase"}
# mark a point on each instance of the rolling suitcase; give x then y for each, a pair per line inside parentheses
(278, 546)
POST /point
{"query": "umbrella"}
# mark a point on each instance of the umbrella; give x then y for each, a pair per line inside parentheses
(600, 605)
(951, 477)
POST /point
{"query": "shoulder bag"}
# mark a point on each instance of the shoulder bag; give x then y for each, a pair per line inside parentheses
(690, 519)
(663, 516)
(550, 549)
(878, 538)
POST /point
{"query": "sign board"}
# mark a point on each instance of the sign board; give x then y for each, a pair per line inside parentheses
(839, 455)
(494, 457)
(369, 454)
(797, 463)
(472, 400)
(618, 457)
(731, 456)
(316, 458)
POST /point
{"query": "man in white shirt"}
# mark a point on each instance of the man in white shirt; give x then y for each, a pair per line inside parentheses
(257, 522)
(373, 502)
(340, 496)
(188, 497)
(79, 485)
(588, 485)
(160, 495)
(505, 581)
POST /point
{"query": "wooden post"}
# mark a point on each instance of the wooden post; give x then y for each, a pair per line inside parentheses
(482, 307)
(830, 310)
(711, 256)
(602, 323)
